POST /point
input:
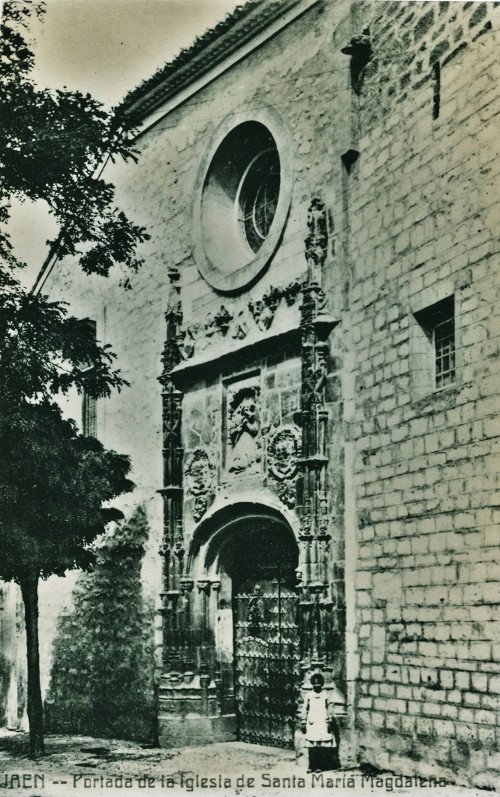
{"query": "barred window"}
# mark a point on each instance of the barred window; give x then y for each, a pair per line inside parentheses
(433, 348)
(444, 349)
(259, 197)
(89, 415)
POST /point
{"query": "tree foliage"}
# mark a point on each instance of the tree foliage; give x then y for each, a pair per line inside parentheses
(102, 672)
(53, 147)
(45, 351)
(53, 487)
(55, 484)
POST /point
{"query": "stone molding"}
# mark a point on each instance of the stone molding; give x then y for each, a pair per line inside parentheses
(219, 360)
(224, 259)
(247, 28)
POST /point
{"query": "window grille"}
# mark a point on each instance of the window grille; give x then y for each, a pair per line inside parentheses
(444, 348)
(259, 197)
(89, 416)
(433, 348)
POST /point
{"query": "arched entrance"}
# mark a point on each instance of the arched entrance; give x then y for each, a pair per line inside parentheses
(231, 642)
(261, 564)
(255, 558)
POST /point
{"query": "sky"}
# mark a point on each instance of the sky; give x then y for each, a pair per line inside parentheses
(106, 48)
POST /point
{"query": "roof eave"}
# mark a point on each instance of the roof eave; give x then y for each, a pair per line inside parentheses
(223, 47)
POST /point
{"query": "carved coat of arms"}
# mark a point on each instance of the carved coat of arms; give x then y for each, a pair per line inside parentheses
(283, 451)
(199, 481)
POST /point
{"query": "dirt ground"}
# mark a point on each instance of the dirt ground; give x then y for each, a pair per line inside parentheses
(78, 766)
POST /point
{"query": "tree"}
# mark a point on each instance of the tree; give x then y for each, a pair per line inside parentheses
(53, 481)
(53, 147)
(102, 679)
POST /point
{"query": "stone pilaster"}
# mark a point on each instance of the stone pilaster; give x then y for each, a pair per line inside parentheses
(319, 646)
(189, 691)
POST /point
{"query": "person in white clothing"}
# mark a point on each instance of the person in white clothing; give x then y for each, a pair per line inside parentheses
(320, 728)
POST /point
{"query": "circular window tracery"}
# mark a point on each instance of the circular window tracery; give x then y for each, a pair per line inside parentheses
(243, 202)
(259, 194)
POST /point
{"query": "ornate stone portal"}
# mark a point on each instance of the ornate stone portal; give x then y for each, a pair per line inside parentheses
(228, 579)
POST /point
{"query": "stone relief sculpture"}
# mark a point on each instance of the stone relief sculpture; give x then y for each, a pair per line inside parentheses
(218, 322)
(243, 430)
(199, 478)
(261, 312)
(316, 242)
(283, 452)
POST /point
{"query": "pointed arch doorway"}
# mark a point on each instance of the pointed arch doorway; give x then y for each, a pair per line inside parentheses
(257, 563)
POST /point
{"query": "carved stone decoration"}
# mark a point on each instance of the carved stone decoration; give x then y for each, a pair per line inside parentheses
(243, 426)
(198, 336)
(240, 327)
(263, 310)
(173, 317)
(283, 452)
(317, 239)
(199, 477)
(360, 50)
(218, 322)
(286, 492)
(262, 314)
(318, 640)
(172, 489)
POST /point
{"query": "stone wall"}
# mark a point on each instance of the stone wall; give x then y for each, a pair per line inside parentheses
(286, 74)
(424, 212)
(411, 223)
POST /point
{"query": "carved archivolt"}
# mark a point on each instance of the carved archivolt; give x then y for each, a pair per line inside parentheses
(199, 480)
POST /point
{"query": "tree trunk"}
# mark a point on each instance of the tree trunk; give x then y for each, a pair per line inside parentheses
(29, 589)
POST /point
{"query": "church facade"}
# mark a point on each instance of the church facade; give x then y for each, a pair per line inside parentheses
(312, 351)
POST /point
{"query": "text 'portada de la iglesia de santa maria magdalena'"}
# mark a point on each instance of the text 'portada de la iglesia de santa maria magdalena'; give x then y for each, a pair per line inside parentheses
(312, 351)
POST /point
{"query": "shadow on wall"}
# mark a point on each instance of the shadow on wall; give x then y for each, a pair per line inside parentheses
(102, 679)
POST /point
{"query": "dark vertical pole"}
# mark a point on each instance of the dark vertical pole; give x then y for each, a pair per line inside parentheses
(436, 104)
(29, 590)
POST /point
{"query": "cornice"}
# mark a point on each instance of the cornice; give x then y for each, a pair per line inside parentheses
(219, 359)
(210, 55)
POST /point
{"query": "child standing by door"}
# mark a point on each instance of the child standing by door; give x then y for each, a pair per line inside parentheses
(320, 728)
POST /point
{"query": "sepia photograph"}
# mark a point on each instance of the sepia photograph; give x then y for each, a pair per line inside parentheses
(249, 398)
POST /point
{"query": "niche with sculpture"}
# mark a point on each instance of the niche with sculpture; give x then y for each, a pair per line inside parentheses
(243, 453)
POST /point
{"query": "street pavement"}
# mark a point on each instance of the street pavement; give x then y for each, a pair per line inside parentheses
(78, 766)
